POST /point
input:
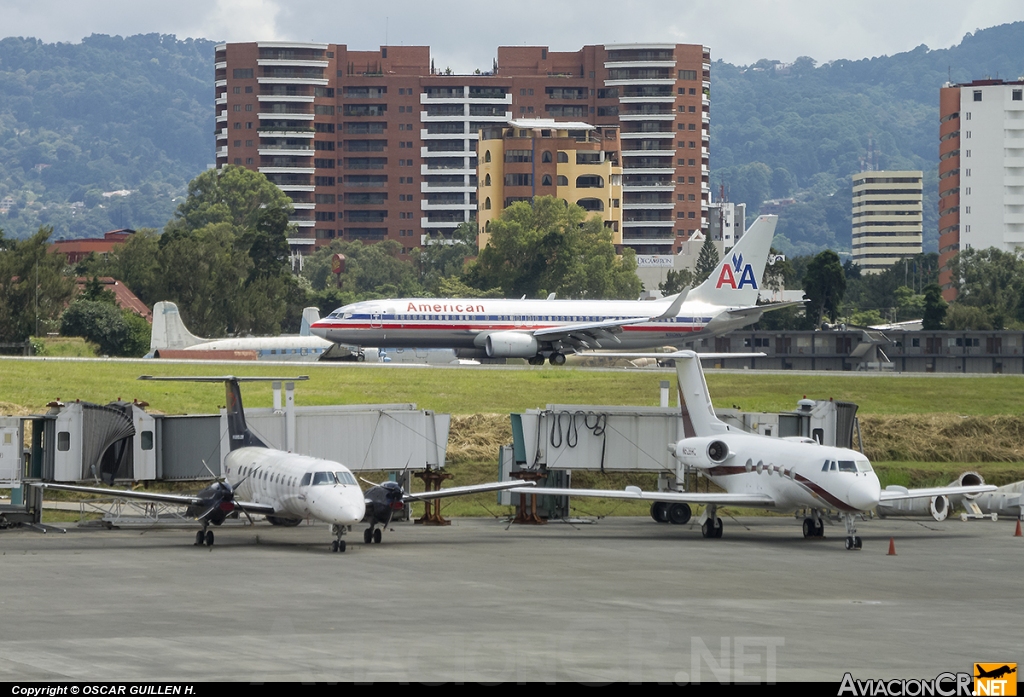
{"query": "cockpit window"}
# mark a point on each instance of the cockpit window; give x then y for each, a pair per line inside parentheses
(305, 479)
(847, 466)
(863, 466)
(824, 468)
(345, 478)
(320, 478)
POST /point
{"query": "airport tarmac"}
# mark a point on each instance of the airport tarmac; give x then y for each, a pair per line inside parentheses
(621, 599)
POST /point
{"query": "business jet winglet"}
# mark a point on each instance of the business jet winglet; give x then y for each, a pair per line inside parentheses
(758, 471)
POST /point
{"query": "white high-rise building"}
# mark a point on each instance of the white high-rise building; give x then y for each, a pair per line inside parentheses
(887, 218)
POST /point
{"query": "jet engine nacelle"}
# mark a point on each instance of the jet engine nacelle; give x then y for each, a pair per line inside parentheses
(701, 452)
(937, 507)
(967, 479)
(511, 345)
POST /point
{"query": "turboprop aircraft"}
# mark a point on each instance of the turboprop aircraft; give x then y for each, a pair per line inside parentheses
(549, 329)
(283, 486)
(759, 471)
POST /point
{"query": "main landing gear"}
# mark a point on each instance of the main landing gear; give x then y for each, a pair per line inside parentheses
(712, 525)
(556, 358)
(814, 526)
(372, 535)
(853, 541)
(204, 537)
(339, 532)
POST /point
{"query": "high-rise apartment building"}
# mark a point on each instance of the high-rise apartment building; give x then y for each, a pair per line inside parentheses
(981, 170)
(887, 218)
(375, 145)
(573, 161)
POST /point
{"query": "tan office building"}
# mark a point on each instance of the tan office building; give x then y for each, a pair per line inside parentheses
(887, 218)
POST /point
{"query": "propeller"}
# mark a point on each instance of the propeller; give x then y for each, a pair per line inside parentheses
(228, 494)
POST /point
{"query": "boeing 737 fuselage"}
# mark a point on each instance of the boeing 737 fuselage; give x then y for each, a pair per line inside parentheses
(549, 329)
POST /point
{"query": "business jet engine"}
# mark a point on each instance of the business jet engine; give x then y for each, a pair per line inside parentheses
(701, 452)
(937, 507)
(511, 345)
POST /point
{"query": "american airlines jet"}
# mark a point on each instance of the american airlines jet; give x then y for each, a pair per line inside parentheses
(549, 329)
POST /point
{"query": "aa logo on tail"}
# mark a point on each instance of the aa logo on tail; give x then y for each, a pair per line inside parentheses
(729, 273)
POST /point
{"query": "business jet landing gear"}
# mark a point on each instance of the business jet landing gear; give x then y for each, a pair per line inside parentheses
(853, 541)
(712, 525)
(536, 360)
(204, 536)
(557, 358)
(372, 535)
(339, 532)
(814, 526)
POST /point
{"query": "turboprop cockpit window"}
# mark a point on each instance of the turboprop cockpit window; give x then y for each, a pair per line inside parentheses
(345, 478)
(863, 466)
(305, 479)
(320, 478)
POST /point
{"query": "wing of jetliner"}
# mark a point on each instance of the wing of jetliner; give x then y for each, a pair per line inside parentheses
(591, 334)
(468, 489)
(632, 492)
(180, 499)
(900, 493)
(754, 309)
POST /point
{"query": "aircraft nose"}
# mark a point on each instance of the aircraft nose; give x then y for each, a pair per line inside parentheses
(865, 493)
(338, 505)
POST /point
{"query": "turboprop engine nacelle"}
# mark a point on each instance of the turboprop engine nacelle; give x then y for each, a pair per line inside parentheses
(511, 345)
(937, 507)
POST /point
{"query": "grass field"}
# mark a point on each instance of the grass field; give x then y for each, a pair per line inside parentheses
(30, 384)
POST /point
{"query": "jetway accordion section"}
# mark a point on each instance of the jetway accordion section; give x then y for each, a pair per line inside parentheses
(571, 436)
(362, 437)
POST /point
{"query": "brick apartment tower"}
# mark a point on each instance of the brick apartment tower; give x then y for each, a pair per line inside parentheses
(981, 170)
(374, 145)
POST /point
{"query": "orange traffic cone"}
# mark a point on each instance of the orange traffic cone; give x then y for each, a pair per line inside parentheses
(1017, 531)
(892, 547)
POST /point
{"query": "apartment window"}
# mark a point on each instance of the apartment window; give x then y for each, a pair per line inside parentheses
(237, 90)
(692, 109)
(977, 95)
(324, 110)
(691, 127)
(236, 107)
(687, 74)
(323, 181)
(691, 214)
(248, 107)
(324, 198)
(248, 89)
(238, 125)
(1017, 95)
(692, 163)
(238, 160)
(321, 163)
(248, 143)
(241, 73)
(693, 91)
(692, 180)
(238, 143)
(248, 125)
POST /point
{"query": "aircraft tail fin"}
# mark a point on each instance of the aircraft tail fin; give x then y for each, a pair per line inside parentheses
(309, 316)
(736, 280)
(169, 332)
(239, 435)
(699, 418)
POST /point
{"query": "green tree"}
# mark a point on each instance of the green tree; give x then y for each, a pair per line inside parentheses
(446, 259)
(117, 332)
(33, 285)
(676, 281)
(993, 281)
(824, 285)
(233, 195)
(707, 260)
(547, 246)
(934, 308)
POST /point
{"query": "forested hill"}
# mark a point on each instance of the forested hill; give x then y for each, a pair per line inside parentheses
(779, 130)
(136, 113)
(106, 114)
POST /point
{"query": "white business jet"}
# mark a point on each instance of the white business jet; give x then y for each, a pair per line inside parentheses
(762, 472)
(549, 329)
(285, 487)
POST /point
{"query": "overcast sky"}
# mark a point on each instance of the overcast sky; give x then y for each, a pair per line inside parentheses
(464, 34)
